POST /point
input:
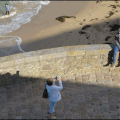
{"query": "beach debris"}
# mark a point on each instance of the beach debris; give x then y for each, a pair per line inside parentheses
(81, 32)
(91, 19)
(114, 27)
(84, 20)
(110, 14)
(96, 18)
(97, 1)
(85, 26)
(62, 18)
(116, 11)
(91, 14)
(114, 6)
(81, 23)
(106, 39)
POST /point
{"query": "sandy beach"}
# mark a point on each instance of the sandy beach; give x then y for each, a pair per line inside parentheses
(45, 32)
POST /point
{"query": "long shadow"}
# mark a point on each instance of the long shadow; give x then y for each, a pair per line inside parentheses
(22, 99)
(110, 58)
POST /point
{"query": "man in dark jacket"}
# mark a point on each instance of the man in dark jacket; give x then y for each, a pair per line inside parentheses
(116, 48)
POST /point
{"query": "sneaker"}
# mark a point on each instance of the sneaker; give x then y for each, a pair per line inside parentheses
(113, 64)
(53, 117)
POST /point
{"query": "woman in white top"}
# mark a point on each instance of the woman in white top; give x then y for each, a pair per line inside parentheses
(53, 94)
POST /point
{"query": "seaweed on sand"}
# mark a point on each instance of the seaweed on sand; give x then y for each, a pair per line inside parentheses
(85, 26)
(110, 14)
(62, 18)
(114, 6)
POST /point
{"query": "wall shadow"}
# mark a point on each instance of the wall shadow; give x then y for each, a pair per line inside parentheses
(23, 99)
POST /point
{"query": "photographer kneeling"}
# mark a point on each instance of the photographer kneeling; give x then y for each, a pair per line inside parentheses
(53, 94)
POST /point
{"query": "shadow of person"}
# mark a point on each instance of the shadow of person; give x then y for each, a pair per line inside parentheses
(110, 57)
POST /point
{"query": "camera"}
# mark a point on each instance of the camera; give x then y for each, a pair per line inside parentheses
(55, 79)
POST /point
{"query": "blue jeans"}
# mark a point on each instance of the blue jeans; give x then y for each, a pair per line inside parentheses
(52, 106)
(116, 49)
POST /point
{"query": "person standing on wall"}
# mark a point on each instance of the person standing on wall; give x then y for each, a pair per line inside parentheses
(7, 9)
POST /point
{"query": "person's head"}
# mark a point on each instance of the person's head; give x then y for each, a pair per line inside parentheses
(50, 81)
(6, 4)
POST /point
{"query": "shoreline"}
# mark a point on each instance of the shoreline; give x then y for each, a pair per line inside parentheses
(33, 30)
(68, 33)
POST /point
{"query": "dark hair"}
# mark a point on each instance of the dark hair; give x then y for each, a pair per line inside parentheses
(50, 81)
(6, 4)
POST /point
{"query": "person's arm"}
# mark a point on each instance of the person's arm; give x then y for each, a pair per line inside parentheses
(117, 44)
(60, 87)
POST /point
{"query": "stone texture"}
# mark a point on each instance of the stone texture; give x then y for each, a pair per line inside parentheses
(89, 89)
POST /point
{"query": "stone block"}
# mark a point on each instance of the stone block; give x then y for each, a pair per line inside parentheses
(7, 64)
(19, 58)
(47, 67)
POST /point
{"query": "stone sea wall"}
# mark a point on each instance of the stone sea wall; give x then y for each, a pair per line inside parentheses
(72, 60)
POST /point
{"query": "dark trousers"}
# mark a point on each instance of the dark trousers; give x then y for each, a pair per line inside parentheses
(7, 12)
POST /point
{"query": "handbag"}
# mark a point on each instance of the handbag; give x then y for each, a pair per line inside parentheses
(45, 93)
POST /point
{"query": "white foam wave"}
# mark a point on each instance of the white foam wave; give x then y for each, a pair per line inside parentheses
(6, 16)
(10, 41)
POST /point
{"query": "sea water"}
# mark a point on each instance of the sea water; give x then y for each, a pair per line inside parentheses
(22, 12)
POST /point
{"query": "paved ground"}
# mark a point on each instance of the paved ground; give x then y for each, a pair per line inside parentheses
(80, 98)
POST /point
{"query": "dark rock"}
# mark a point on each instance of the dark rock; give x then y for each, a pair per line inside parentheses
(106, 39)
(62, 18)
(84, 27)
(70, 32)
